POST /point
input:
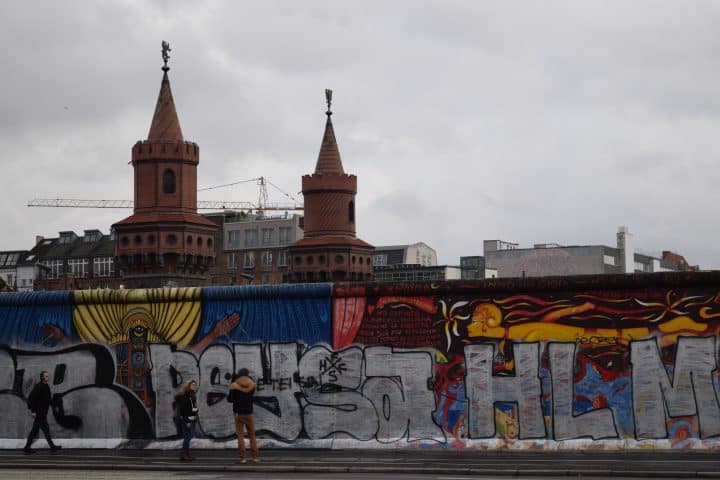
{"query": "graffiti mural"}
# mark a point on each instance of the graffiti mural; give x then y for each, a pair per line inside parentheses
(503, 364)
(553, 363)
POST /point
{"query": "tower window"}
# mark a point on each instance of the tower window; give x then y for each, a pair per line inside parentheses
(168, 182)
(351, 212)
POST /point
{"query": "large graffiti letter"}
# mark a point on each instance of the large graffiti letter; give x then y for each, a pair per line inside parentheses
(279, 410)
(169, 370)
(330, 383)
(214, 412)
(86, 402)
(16, 417)
(401, 396)
(690, 392)
(595, 424)
(484, 390)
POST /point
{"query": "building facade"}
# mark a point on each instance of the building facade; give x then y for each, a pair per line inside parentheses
(553, 259)
(474, 268)
(165, 242)
(416, 273)
(70, 262)
(9, 261)
(415, 254)
(255, 248)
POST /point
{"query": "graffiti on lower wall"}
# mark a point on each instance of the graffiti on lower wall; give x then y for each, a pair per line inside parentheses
(446, 368)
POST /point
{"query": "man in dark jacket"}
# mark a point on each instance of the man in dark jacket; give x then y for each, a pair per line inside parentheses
(39, 403)
(241, 395)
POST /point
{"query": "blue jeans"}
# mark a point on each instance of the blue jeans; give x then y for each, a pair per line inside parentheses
(187, 430)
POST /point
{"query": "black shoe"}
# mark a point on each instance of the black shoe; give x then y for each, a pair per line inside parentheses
(29, 450)
(55, 448)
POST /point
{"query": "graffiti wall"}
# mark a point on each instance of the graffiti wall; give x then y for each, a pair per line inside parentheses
(575, 362)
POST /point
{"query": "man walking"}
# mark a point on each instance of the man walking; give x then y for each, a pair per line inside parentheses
(39, 403)
(241, 395)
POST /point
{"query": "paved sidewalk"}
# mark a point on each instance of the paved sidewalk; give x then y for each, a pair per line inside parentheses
(666, 464)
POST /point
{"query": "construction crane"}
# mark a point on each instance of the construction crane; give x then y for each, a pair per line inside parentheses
(261, 205)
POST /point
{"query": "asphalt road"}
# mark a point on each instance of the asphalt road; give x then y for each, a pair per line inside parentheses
(62, 474)
(294, 464)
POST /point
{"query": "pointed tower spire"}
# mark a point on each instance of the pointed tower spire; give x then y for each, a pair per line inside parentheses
(329, 157)
(165, 124)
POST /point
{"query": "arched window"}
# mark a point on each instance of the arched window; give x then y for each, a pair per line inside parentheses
(168, 182)
(351, 212)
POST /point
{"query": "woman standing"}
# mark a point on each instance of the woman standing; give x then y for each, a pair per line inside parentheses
(187, 413)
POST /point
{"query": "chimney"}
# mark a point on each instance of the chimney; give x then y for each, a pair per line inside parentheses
(627, 250)
(38, 239)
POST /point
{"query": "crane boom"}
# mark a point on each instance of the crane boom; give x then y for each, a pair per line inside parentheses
(201, 205)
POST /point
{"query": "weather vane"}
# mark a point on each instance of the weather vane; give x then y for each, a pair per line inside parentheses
(328, 99)
(165, 55)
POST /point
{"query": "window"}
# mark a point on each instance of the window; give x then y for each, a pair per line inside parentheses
(282, 258)
(379, 260)
(233, 239)
(10, 279)
(232, 260)
(168, 182)
(266, 278)
(171, 239)
(285, 235)
(249, 260)
(78, 266)
(266, 258)
(103, 267)
(56, 268)
(609, 260)
(267, 236)
(351, 212)
(251, 238)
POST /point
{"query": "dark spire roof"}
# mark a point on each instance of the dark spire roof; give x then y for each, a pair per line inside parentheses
(165, 124)
(329, 158)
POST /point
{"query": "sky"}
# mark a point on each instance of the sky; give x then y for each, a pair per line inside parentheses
(529, 122)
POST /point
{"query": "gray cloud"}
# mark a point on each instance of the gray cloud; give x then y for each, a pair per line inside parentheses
(552, 122)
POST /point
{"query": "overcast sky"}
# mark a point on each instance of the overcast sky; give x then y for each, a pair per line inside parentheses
(531, 122)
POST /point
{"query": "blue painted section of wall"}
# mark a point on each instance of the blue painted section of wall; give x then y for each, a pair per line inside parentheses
(26, 318)
(271, 313)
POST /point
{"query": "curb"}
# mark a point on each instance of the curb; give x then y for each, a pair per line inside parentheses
(505, 472)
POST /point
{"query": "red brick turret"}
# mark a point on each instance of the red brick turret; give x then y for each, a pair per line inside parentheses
(330, 251)
(165, 241)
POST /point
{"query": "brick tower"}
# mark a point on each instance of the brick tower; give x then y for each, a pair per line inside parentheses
(329, 250)
(165, 242)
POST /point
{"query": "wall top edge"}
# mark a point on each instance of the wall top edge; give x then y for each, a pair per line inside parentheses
(358, 289)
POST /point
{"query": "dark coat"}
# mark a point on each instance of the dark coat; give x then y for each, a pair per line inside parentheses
(187, 407)
(39, 399)
(241, 395)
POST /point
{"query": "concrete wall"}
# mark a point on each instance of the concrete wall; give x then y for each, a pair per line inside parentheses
(615, 362)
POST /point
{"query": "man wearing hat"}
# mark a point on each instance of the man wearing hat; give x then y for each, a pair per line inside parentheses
(242, 391)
